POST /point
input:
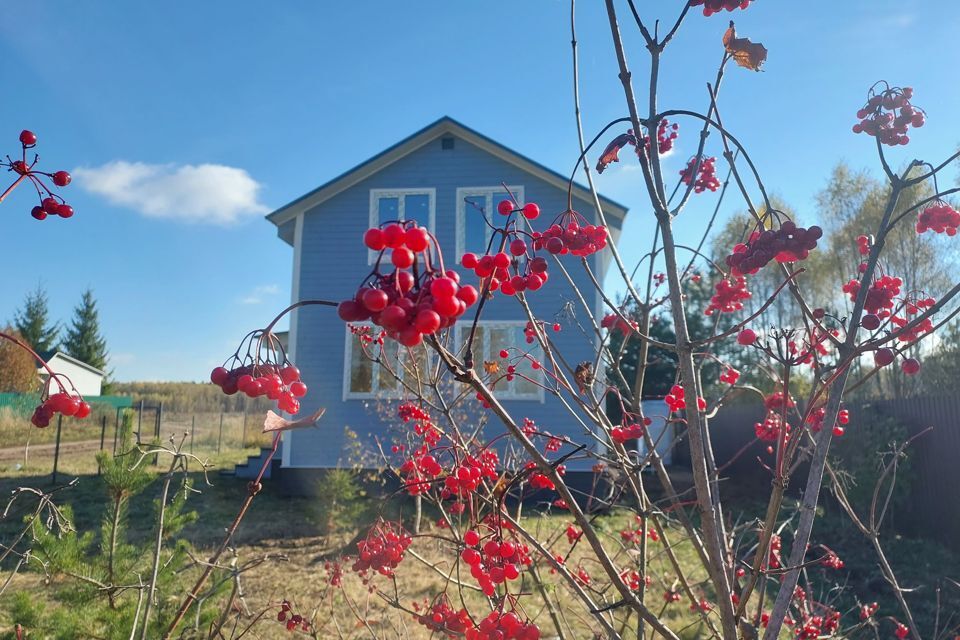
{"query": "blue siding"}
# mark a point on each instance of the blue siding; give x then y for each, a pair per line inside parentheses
(333, 261)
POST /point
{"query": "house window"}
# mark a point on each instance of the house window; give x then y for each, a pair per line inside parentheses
(473, 203)
(490, 338)
(402, 204)
(365, 378)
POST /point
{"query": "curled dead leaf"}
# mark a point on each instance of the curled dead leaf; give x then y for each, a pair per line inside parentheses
(491, 366)
(749, 55)
(611, 151)
(273, 422)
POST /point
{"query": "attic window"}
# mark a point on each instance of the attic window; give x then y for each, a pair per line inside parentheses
(446, 143)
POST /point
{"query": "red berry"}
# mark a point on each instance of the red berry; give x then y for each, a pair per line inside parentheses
(468, 294)
(471, 538)
(416, 239)
(427, 321)
(28, 138)
(38, 213)
(531, 210)
(50, 205)
(469, 260)
(870, 322)
(910, 366)
(64, 210)
(747, 337)
(401, 257)
(82, 411)
(61, 178)
(518, 247)
(443, 288)
(289, 374)
(505, 207)
(219, 376)
(394, 236)
(373, 238)
(883, 357)
(352, 311)
(375, 300)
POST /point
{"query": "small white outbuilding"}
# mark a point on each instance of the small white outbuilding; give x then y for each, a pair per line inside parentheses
(88, 380)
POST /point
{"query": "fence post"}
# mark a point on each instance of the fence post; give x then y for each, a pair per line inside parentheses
(139, 420)
(103, 433)
(116, 431)
(156, 431)
(220, 437)
(56, 450)
(193, 431)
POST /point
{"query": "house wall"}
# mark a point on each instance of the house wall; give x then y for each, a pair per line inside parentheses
(86, 382)
(333, 261)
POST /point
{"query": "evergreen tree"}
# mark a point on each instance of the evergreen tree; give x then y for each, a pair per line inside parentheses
(33, 323)
(83, 340)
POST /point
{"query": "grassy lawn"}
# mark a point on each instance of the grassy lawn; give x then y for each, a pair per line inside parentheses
(286, 533)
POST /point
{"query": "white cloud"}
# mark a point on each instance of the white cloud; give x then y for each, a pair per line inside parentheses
(210, 193)
(259, 293)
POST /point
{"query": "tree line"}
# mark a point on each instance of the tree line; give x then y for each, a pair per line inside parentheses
(81, 338)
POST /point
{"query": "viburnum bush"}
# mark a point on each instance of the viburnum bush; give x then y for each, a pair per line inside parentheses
(500, 575)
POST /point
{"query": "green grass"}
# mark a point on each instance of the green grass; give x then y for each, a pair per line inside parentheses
(286, 533)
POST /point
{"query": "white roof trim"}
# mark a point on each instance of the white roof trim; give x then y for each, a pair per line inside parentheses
(72, 360)
(445, 126)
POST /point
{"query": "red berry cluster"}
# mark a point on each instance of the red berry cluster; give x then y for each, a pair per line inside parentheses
(637, 534)
(573, 534)
(864, 243)
(614, 322)
(51, 204)
(815, 420)
(442, 618)
(939, 218)
(504, 626)
(901, 631)
(496, 562)
(831, 560)
(528, 274)
(888, 115)
(769, 429)
(867, 610)
(666, 135)
(778, 401)
(676, 401)
(729, 375)
(629, 431)
(263, 371)
(407, 307)
(706, 174)
(465, 477)
(418, 471)
(789, 243)
(711, 7)
(729, 296)
(572, 234)
(63, 403)
(382, 550)
(880, 296)
(812, 627)
(293, 620)
(671, 596)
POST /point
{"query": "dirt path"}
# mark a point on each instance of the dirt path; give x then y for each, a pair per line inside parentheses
(45, 450)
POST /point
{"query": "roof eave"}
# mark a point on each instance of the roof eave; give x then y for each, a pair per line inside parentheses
(413, 142)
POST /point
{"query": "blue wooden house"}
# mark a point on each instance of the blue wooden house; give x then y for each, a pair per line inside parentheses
(441, 176)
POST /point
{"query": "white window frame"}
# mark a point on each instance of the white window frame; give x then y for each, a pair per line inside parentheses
(399, 194)
(350, 343)
(463, 332)
(489, 209)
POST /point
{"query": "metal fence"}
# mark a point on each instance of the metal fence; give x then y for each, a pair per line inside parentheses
(932, 507)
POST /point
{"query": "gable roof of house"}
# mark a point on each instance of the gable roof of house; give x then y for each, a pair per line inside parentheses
(444, 126)
(50, 355)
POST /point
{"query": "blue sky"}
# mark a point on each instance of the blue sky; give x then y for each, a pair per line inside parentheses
(189, 121)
